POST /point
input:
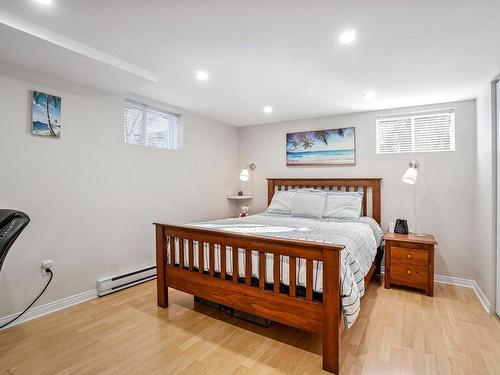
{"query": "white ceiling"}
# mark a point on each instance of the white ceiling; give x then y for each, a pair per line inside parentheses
(282, 53)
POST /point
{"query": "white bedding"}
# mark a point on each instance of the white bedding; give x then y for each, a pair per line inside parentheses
(360, 237)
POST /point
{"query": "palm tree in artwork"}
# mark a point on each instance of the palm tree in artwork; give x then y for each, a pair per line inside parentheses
(297, 141)
(307, 143)
(342, 132)
(322, 135)
(54, 100)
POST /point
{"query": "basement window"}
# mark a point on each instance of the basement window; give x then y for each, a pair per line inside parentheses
(153, 127)
(428, 131)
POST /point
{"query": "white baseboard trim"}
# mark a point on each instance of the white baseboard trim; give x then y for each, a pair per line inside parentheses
(479, 293)
(461, 282)
(50, 307)
(454, 281)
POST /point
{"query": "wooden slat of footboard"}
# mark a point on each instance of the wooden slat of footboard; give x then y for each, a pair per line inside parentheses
(181, 253)
(172, 250)
(235, 265)
(223, 262)
(201, 256)
(248, 266)
(292, 272)
(281, 308)
(309, 280)
(211, 259)
(276, 273)
(262, 270)
(191, 255)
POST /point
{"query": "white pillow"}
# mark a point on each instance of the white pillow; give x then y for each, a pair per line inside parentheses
(344, 206)
(346, 193)
(281, 203)
(308, 190)
(308, 204)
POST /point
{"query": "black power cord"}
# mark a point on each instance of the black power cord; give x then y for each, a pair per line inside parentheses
(32, 303)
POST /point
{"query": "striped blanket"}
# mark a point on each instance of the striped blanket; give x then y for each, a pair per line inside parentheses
(360, 238)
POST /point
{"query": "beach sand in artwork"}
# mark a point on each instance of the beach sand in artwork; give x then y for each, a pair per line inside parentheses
(325, 160)
(345, 156)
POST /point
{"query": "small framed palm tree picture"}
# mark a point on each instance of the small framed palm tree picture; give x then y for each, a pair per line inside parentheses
(321, 147)
(46, 114)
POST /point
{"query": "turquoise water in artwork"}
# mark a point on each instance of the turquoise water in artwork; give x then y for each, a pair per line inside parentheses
(42, 128)
(343, 156)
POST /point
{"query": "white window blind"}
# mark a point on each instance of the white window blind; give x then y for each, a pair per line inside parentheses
(428, 131)
(152, 127)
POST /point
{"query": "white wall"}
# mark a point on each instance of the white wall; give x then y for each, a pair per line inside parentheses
(446, 188)
(92, 199)
(485, 215)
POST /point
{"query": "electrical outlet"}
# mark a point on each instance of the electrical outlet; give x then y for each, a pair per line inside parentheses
(46, 264)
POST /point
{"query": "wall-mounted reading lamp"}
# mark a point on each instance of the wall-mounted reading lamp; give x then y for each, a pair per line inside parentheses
(410, 177)
(245, 172)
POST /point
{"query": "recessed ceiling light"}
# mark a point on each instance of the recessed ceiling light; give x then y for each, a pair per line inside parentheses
(44, 2)
(201, 75)
(369, 94)
(347, 36)
(268, 109)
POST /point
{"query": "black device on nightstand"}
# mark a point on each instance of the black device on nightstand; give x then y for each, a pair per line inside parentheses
(401, 226)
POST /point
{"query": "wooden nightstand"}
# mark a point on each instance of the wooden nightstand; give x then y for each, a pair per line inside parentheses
(409, 261)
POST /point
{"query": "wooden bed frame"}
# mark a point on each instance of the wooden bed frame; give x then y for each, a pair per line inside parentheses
(289, 308)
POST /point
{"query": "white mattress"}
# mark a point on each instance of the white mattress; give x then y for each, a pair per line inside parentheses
(360, 238)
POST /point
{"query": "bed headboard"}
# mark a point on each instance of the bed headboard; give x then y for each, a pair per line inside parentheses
(370, 187)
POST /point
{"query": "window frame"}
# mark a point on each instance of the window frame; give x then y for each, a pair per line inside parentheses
(412, 116)
(175, 125)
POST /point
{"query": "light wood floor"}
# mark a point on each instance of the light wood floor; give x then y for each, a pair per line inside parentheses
(399, 332)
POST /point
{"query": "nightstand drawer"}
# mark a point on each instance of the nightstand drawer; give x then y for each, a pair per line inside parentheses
(409, 274)
(402, 255)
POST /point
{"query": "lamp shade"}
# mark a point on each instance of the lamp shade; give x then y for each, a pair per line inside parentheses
(410, 177)
(244, 175)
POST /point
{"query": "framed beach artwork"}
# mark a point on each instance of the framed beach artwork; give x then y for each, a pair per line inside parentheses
(45, 114)
(321, 147)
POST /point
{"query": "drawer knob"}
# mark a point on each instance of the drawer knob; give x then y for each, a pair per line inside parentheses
(409, 256)
(408, 272)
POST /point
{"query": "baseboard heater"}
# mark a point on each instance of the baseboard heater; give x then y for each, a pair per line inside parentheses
(116, 283)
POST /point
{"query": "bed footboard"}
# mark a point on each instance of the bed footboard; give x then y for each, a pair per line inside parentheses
(259, 298)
